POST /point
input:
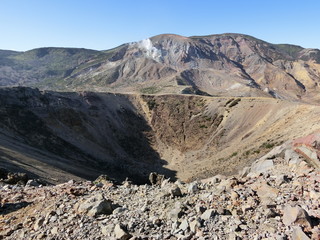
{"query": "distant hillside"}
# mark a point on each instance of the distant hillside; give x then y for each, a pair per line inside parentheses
(218, 65)
(43, 66)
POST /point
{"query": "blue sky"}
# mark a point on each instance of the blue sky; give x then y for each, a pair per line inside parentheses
(103, 24)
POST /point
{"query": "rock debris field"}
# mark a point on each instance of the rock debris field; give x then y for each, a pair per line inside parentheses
(278, 197)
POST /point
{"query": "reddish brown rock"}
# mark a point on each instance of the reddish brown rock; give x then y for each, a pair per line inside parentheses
(309, 147)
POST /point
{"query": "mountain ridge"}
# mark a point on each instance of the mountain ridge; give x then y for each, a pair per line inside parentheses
(217, 65)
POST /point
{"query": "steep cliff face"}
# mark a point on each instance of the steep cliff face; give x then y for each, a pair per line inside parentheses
(85, 134)
(203, 136)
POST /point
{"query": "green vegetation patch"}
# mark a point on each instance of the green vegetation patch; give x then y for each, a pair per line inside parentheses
(267, 145)
(229, 101)
(291, 50)
(151, 104)
(234, 154)
(235, 102)
(150, 90)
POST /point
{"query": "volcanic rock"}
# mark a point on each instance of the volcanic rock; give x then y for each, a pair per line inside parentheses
(94, 206)
(296, 215)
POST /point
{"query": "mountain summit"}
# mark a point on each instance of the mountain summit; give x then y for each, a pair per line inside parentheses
(218, 65)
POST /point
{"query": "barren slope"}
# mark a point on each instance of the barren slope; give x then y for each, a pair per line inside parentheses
(188, 137)
(218, 65)
(203, 136)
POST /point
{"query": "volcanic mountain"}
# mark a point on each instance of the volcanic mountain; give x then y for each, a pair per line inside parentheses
(216, 65)
(167, 108)
(185, 107)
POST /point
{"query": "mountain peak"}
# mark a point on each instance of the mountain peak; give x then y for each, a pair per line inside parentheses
(228, 64)
(169, 35)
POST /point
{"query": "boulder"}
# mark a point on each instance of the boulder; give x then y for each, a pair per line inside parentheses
(156, 179)
(121, 233)
(175, 191)
(262, 166)
(32, 183)
(176, 213)
(309, 147)
(298, 234)
(296, 215)
(94, 206)
(194, 225)
(54, 231)
(193, 188)
(210, 213)
(184, 225)
(265, 191)
(291, 156)
(106, 230)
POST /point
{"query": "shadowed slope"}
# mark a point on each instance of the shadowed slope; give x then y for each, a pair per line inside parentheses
(61, 135)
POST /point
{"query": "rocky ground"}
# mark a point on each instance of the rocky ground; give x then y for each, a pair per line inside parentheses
(278, 197)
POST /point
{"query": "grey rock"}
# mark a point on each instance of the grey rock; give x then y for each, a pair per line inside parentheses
(210, 213)
(195, 224)
(233, 236)
(314, 195)
(107, 229)
(38, 223)
(54, 230)
(121, 233)
(184, 225)
(223, 211)
(296, 215)
(175, 191)
(244, 172)
(175, 225)
(32, 183)
(291, 156)
(193, 188)
(280, 179)
(262, 166)
(94, 206)
(175, 213)
(298, 234)
(119, 210)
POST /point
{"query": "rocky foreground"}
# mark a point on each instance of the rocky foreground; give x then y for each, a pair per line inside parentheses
(277, 198)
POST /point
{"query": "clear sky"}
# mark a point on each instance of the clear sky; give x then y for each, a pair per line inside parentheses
(104, 24)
